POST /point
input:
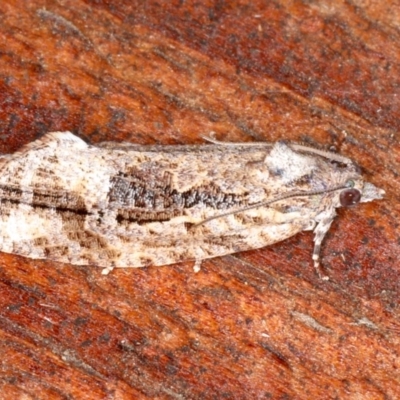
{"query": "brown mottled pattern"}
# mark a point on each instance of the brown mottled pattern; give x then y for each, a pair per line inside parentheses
(133, 206)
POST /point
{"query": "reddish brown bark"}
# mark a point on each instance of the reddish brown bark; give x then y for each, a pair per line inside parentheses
(259, 324)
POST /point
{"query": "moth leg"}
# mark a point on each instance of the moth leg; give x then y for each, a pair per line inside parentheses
(107, 270)
(197, 265)
(324, 223)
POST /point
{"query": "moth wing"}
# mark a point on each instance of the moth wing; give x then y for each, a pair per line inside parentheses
(162, 243)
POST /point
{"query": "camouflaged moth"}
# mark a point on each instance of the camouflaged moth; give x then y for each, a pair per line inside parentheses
(124, 205)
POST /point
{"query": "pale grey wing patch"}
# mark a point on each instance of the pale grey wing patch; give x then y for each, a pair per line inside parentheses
(60, 236)
(288, 164)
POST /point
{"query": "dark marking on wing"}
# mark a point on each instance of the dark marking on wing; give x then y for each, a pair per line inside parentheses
(304, 181)
(135, 192)
(58, 200)
(89, 241)
(142, 217)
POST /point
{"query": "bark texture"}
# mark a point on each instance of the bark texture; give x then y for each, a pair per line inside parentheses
(255, 325)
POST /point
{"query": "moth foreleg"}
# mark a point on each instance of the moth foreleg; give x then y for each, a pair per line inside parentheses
(107, 270)
(197, 265)
(324, 223)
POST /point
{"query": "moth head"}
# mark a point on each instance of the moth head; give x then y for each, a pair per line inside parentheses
(354, 191)
(360, 192)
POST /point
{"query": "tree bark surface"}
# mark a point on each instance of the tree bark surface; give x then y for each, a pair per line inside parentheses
(254, 325)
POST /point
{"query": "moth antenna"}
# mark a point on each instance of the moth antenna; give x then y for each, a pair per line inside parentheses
(323, 153)
(295, 146)
(211, 139)
(276, 199)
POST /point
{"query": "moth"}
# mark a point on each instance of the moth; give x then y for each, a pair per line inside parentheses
(124, 205)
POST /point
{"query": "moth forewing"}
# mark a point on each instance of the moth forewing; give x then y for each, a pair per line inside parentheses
(122, 205)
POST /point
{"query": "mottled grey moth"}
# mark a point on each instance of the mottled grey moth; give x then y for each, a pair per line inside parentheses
(124, 205)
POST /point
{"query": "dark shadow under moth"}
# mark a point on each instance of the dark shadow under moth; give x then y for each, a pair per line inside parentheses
(124, 205)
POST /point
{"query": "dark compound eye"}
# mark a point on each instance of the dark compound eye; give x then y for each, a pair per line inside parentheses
(350, 197)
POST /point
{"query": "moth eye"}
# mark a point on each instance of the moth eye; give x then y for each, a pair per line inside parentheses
(349, 197)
